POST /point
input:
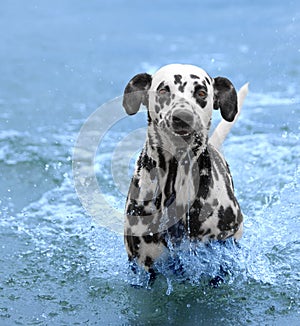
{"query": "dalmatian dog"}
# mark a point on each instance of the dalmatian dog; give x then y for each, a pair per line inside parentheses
(182, 186)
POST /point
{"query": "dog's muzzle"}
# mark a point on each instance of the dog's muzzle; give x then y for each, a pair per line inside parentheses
(182, 122)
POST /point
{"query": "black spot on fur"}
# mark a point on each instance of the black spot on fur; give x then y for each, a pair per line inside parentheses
(222, 236)
(148, 261)
(169, 201)
(148, 163)
(203, 188)
(151, 238)
(215, 202)
(193, 218)
(171, 179)
(135, 181)
(139, 162)
(208, 81)
(181, 87)
(157, 200)
(136, 209)
(230, 193)
(228, 175)
(201, 232)
(134, 189)
(226, 218)
(197, 143)
(177, 79)
(162, 160)
(194, 77)
(158, 146)
(145, 161)
(204, 163)
(207, 232)
(160, 86)
(133, 245)
(239, 217)
(151, 141)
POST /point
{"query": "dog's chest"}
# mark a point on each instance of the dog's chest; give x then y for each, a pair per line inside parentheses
(184, 185)
(194, 190)
(187, 181)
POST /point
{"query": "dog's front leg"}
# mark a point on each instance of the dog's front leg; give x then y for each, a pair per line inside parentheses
(144, 239)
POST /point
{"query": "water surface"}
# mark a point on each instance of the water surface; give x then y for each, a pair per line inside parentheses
(60, 61)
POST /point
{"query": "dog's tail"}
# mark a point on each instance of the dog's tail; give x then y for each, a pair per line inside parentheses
(223, 128)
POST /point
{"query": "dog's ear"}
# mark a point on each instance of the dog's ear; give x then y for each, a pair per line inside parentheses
(135, 93)
(225, 98)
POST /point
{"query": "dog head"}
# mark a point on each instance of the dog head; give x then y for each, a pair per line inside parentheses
(180, 98)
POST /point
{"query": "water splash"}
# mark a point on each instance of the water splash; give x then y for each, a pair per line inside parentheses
(64, 262)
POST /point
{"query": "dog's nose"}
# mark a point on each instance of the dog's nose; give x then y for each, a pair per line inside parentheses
(182, 119)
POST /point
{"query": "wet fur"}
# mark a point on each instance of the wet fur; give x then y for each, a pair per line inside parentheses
(182, 186)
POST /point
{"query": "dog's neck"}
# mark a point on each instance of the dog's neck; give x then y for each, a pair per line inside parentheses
(163, 145)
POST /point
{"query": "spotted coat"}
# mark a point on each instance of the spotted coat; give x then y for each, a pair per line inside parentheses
(182, 186)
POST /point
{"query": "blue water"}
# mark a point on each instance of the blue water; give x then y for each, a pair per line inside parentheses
(60, 61)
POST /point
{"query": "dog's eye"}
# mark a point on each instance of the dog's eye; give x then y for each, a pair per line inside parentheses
(163, 91)
(202, 93)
